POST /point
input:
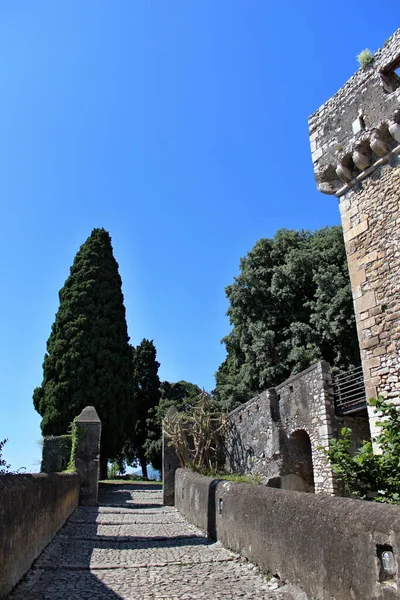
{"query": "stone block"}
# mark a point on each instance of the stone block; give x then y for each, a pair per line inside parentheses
(370, 343)
(356, 231)
(379, 351)
(368, 323)
(358, 277)
(368, 301)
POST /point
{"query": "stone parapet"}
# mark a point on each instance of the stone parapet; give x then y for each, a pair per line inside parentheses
(358, 129)
(33, 507)
(333, 548)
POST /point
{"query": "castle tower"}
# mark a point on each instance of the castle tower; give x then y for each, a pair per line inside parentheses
(355, 145)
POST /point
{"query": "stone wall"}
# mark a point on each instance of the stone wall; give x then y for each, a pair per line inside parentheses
(269, 434)
(170, 463)
(331, 547)
(56, 453)
(351, 131)
(359, 429)
(371, 227)
(32, 509)
(357, 157)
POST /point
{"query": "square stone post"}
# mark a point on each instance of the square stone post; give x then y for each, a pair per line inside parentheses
(170, 463)
(87, 457)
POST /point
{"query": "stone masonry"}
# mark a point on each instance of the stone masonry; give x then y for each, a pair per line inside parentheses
(279, 433)
(133, 548)
(87, 458)
(355, 144)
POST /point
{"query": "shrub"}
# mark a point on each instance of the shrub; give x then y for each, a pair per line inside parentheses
(197, 435)
(365, 58)
(367, 475)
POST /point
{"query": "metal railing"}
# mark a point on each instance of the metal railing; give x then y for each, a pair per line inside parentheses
(349, 392)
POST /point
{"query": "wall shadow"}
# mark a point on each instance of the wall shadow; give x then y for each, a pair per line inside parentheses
(62, 571)
(79, 559)
(236, 453)
(212, 509)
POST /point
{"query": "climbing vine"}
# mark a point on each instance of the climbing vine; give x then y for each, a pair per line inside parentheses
(77, 432)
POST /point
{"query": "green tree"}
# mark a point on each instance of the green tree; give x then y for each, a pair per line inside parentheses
(183, 395)
(364, 474)
(145, 398)
(88, 360)
(290, 306)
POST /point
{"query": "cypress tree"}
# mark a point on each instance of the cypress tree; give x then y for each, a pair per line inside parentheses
(88, 360)
(145, 398)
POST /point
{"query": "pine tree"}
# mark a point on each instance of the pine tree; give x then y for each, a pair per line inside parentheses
(88, 359)
(145, 399)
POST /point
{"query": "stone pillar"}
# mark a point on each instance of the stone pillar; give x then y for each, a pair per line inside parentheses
(87, 457)
(170, 463)
(324, 429)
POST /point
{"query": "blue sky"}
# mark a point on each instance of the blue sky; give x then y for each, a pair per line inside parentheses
(181, 128)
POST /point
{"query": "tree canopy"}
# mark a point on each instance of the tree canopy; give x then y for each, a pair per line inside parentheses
(290, 306)
(88, 360)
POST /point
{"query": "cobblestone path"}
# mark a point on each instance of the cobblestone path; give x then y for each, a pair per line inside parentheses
(132, 547)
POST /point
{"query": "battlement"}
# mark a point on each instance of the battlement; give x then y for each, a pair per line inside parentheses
(358, 129)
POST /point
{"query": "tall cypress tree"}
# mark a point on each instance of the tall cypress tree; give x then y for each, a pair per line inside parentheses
(88, 359)
(145, 398)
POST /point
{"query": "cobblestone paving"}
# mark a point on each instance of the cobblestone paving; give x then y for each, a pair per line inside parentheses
(133, 548)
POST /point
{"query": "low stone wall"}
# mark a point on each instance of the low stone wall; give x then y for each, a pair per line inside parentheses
(33, 507)
(331, 547)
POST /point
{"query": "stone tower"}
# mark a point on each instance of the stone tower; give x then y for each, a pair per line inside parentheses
(355, 145)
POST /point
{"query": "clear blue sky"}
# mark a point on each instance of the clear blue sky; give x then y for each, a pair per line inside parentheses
(180, 126)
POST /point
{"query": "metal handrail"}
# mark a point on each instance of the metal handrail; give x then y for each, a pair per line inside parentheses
(349, 392)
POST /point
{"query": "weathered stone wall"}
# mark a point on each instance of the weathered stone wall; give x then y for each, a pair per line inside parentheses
(359, 428)
(371, 227)
(265, 433)
(331, 547)
(357, 157)
(33, 507)
(351, 131)
(56, 453)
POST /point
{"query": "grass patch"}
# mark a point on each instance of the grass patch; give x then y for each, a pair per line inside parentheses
(127, 481)
(253, 478)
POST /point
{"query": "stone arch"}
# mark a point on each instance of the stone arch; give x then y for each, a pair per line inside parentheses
(298, 474)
